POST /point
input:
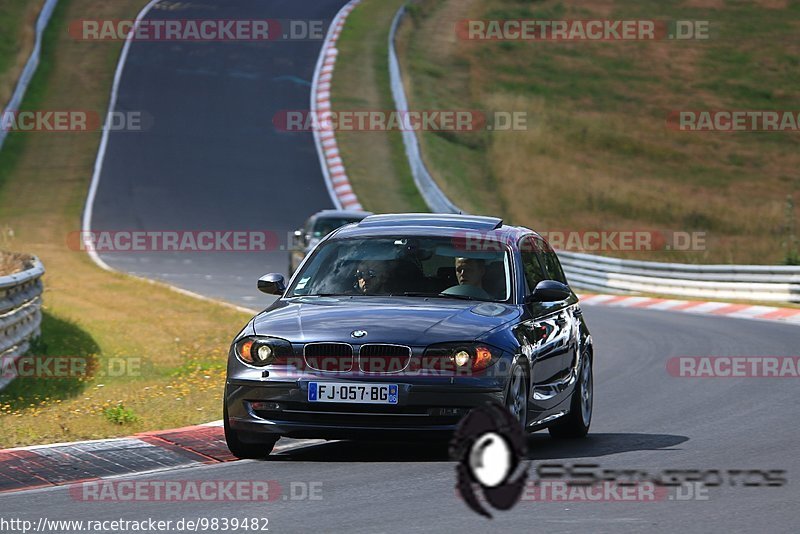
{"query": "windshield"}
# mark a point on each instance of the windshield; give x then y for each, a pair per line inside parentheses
(325, 225)
(406, 266)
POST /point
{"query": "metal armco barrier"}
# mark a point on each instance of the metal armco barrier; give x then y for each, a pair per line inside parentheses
(30, 66)
(436, 200)
(20, 313)
(738, 282)
(613, 275)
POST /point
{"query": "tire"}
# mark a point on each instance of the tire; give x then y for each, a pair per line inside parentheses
(517, 395)
(241, 449)
(576, 423)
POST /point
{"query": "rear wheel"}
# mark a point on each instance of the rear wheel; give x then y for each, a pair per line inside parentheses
(576, 423)
(245, 450)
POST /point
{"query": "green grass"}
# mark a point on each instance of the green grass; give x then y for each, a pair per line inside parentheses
(12, 14)
(120, 415)
(178, 344)
(375, 161)
(597, 154)
(17, 19)
(59, 338)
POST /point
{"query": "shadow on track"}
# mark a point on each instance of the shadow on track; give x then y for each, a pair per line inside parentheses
(367, 451)
(540, 447)
(543, 447)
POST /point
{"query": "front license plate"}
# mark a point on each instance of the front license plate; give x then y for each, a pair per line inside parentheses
(354, 393)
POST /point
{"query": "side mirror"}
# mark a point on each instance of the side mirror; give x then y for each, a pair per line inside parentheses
(549, 291)
(272, 284)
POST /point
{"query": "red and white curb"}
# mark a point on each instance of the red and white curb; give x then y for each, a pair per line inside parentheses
(723, 309)
(343, 196)
(332, 166)
(42, 466)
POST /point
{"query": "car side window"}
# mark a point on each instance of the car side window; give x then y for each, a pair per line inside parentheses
(550, 261)
(534, 273)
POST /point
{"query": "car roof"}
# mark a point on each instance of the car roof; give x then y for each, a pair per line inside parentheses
(463, 222)
(337, 214)
(431, 224)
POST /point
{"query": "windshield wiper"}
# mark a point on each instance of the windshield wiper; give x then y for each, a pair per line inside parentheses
(322, 295)
(438, 295)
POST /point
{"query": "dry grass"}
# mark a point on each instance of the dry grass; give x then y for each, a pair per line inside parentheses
(11, 262)
(17, 35)
(88, 312)
(597, 154)
(375, 161)
(456, 160)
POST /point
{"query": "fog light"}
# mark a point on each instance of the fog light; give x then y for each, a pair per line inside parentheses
(265, 406)
(447, 412)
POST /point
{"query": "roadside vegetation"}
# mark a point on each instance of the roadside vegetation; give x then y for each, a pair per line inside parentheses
(375, 161)
(596, 154)
(157, 358)
(11, 262)
(17, 33)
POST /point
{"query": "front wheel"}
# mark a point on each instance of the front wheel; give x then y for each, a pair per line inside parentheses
(576, 423)
(517, 396)
(241, 449)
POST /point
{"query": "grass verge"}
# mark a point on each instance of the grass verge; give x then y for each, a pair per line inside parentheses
(157, 358)
(375, 160)
(17, 36)
(597, 154)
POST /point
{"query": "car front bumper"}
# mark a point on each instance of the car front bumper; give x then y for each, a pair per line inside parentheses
(425, 408)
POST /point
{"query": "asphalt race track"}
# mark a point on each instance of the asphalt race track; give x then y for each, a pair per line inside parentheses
(644, 418)
(213, 161)
(209, 157)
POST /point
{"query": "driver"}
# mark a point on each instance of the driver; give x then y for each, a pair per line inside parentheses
(370, 278)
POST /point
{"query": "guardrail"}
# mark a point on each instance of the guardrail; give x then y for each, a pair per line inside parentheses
(736, 282)
(614, 275)
(20, 314)
(434, 197)
(31, 65)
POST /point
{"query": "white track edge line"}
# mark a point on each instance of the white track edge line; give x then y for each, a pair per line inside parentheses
(88, 209)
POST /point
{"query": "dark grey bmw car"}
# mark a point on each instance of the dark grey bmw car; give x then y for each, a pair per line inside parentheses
(398, 325)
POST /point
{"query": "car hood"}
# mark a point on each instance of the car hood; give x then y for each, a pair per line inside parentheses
(404, 321)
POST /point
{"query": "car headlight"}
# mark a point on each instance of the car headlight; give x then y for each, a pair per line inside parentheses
(459, 357)
(261, 351)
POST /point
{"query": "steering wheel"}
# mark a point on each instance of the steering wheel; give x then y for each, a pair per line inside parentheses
(467, 290)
